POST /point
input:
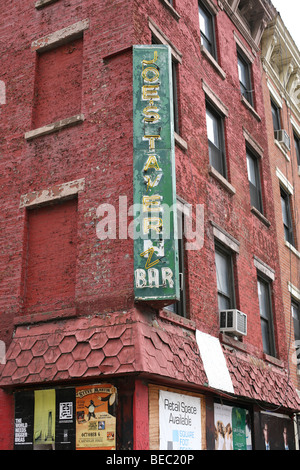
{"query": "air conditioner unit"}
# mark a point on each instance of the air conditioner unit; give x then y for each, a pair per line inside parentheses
(233, 321)
(283, 137)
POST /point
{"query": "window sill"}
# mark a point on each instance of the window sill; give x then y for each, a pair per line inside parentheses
(213, 62)
(260, 216)
(180, 141)
(273, 360)
(177, 319)
(47, 316)
(43, 3)
(250, 108)
(282, 150)
(55, 126)
(292, 248)
(171, 9)
(223, 181)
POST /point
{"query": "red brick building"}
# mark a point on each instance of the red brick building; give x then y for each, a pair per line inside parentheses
(76, 336)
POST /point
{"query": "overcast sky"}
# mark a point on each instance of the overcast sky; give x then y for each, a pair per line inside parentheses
(290, 11)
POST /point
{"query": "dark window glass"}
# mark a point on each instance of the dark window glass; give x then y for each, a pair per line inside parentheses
(295, 308)
(265, 308)
(206, 20)
(180, 307)
(244, 70)
(254, 181)
(286, 216)
(225, 281)
(215, 135)
(275, 116)
(297, 148)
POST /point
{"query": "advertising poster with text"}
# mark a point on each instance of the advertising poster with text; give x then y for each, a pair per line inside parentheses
(232, 428)
(96, 417)
(179, 421)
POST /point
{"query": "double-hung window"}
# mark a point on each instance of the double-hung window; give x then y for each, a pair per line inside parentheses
(295, 310)
(297, 147)
(207, 30)
(287, 216)
(216, 144)
(266, 319)
(225, 278)
(244, 69)
(275, 116)
(254, 181)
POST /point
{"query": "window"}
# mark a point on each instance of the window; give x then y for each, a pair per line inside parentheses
(225, 279)
(174, 85)
(51, 257)
(297, 147)
(244, 69)
(215, 135)
(254, 181)
(58, 83)
(287, 216)
(275, 116)
(295, 309)
(265, 308)
(207, 32)
(180, 307)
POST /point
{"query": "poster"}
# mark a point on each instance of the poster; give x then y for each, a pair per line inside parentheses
(179, 421)
(44, 420)
(65, 419)
(232, 428)
(96, 417)
(24, 409)
(276, 432)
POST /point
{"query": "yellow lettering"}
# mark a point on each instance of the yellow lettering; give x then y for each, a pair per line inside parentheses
(151, 115)
(149, 263)
(151, 184)
(150, 74)
(151, 163)
(155, 55)
(149, 92)
(152, 203)
(152, 223)
(151, 139)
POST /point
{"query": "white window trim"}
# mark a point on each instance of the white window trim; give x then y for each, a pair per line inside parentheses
(294, 291)
(263, 268)
(59, 191)
(215, 100)
(60, 37)
(225, 238)
(284, 181)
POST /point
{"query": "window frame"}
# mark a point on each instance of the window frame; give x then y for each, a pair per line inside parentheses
(267, 320)
(220, 166)
(230, 296)
(287, 219)
(174, 70)
(255, 190)
(245, 87)
(209, 43)
(276, 118)
(295, 306)
(297, 147)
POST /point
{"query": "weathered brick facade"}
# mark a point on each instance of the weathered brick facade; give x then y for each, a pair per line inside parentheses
(66, 149)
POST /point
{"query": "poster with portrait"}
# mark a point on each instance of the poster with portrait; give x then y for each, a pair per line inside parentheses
(96, 417)
(276, 432)
(232, 428)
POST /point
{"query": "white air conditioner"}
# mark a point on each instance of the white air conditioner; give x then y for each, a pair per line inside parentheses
(283, 138)
(233, 321)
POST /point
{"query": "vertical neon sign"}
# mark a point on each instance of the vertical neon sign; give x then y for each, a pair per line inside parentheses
(156, 276)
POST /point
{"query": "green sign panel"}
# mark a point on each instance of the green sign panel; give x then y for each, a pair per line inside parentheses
(155, 223)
